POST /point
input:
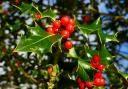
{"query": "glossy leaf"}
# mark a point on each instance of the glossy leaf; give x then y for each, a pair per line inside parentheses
(106, 57)
(106, 38)
(49, 13)
(90, 53)
(87, 29)
(32, 9)
(82, 65)
(72, 53)
(38, 41)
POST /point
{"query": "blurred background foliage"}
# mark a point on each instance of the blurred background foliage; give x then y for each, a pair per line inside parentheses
(26, 71)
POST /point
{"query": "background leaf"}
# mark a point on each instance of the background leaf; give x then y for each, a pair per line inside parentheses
(24, 7)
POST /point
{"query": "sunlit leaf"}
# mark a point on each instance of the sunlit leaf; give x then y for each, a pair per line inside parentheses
(49, 13)
(106, 38)
(87, 29)
(39, 41)
(82, 65)
(72, 53)
(106, 57)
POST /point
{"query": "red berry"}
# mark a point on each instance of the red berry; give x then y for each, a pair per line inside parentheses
(98, 75)
(50, 30)
(94, 64)
(100, 67)
(71, 21)
(89, 84)
(96, 58)
(65, 34)
(102, 82)
(78, 80)
(81, 85)
(50, 70)
(55, 30)
(68, 44)
(38, 16)
(70, 28)
(65, 20)
(87, 19)
(97, 81)
(56, 24)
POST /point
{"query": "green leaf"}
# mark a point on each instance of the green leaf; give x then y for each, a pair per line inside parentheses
(1, 55)
(99, 87)
(88, 29)
(124, 75)
(49, 13)
(37, 31)
(90, 53)
(38, 41)
(82, 65)
(72, 53)
(106, 38)
(15, 26)
(32, 9)
(106, 57)
(56, 68)
(24, 7)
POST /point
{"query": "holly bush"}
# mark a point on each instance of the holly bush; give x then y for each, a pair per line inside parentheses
(52, 50)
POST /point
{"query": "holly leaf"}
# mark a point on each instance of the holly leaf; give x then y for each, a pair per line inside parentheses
(32, 9)
(72, 53)
(38, 41)
(88, 29)
(15, 26)
(82, 65)
(90, 53)
(106, 38)
(37, 31)
(24, 7)
(49, 13)
(106, 57)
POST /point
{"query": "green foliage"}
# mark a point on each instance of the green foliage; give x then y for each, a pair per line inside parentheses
(81, 70)
(41, 43)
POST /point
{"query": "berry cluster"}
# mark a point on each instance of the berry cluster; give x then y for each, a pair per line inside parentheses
(64, 27)
(83, 84)
(98, 79)
(95, 63)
